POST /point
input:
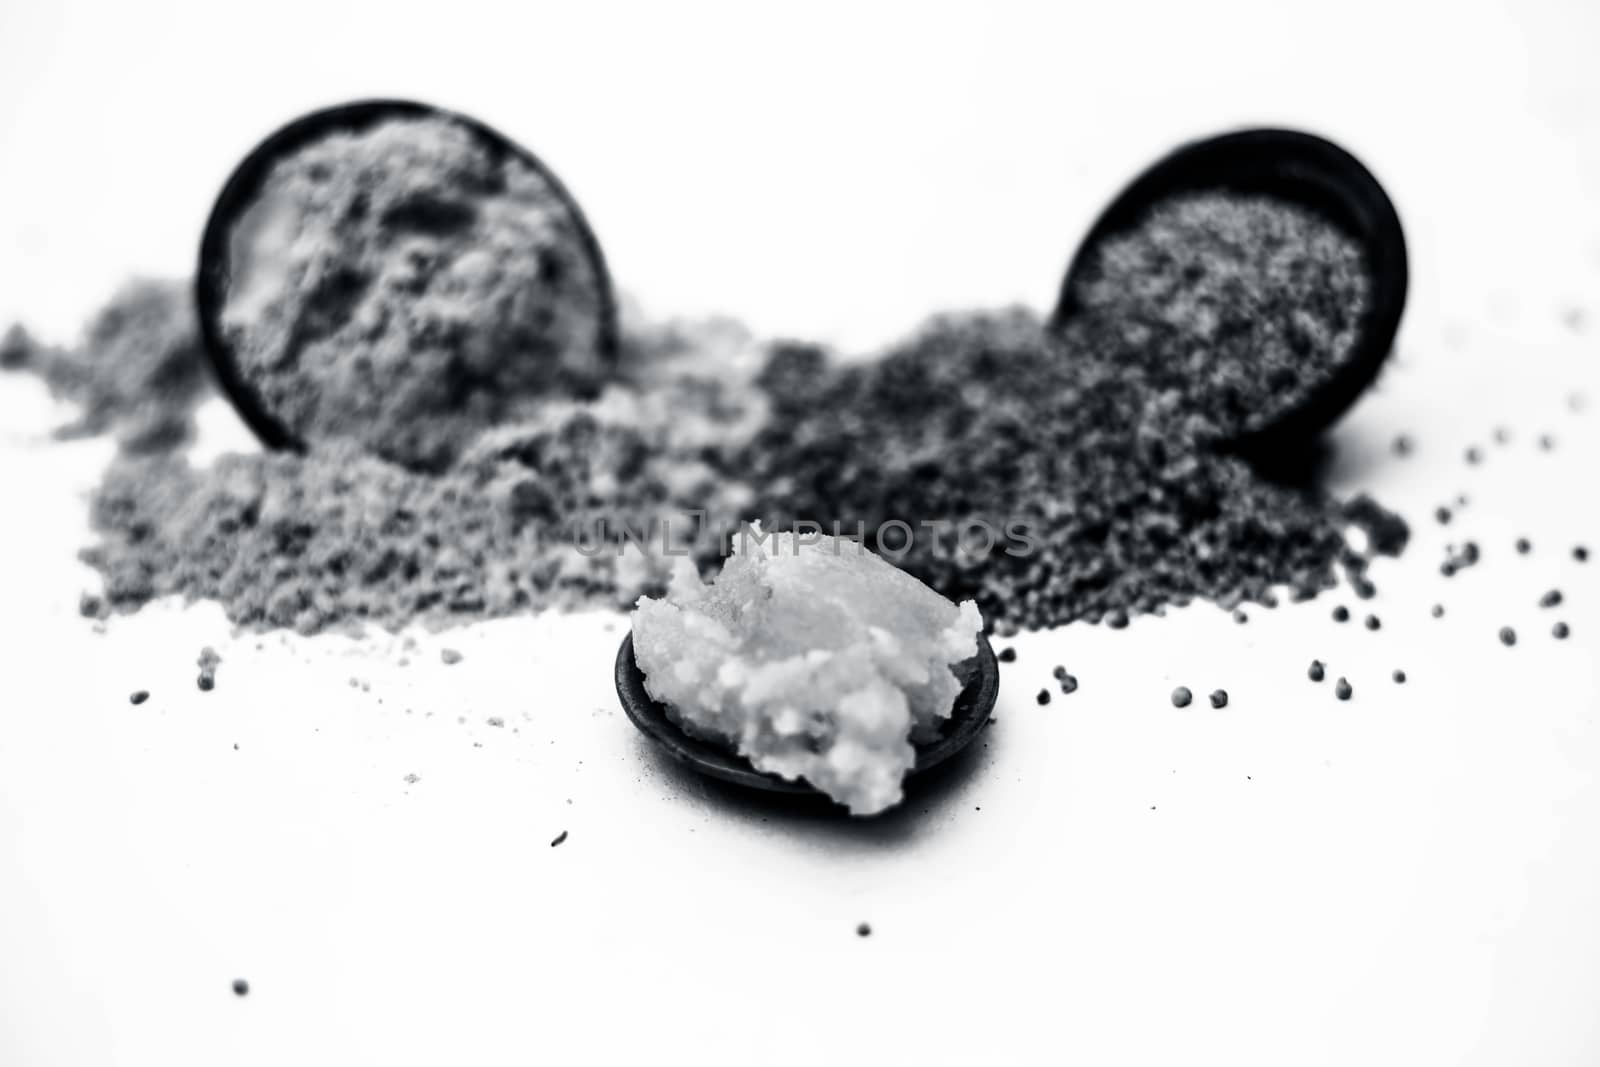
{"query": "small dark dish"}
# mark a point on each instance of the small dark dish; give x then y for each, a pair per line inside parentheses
(1315, 174)
(967, 720)
(214, 276)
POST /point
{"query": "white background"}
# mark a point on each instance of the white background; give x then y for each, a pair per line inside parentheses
(1409, 878)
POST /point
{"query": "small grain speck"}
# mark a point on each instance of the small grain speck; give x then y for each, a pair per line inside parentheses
(1342, 690)
(1508, 636)
(1560, 631)
(1219, 698)
(1341, 614)
(450, 656)
(562, 836)
(1181, 697)
(1316, 672)
(138, 696)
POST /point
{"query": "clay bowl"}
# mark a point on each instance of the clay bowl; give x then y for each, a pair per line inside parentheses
(241, 191)
(968, 718)
(1307, 171)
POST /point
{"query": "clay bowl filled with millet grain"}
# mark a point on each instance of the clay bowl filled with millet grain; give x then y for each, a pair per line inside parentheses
(968, 717)
(487, 242)
(1312, 182)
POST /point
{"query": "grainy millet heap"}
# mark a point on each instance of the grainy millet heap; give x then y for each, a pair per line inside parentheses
(1245, 305)
(990, 418)
(984, 416)
(1086, 451)
(405, 286)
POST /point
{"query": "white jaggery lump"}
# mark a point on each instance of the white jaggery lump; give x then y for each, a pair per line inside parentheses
(812, 658)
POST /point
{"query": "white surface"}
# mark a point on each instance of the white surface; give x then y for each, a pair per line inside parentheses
(1408, 878)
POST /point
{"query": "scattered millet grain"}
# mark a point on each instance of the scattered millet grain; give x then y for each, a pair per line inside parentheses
(1058, 673)
(863, 930)
(1403, 445)
(1560, 630)
(1524, 546)
(1458, 559)
(1342, 690)
(240, 987)
(1007, 655)
(1341, 614)
(1219, 698)
(138, 696)
(1386, 532)
(562, 836)
(1043, 696)
(1373, 622)
(207, 681)
(1550, 599)
(1240, 617)
(1400, 677)
(1442, 515)
(1581, 554)
(1474, 455)
(1508, 636)
(1069, 684)
(1438, 611)
(1317, 671)
(1181, 697)
(449, 656)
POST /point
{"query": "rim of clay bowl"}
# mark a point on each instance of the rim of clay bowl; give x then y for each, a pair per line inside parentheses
(1311, 172)
(967, 720)
(214, 276)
